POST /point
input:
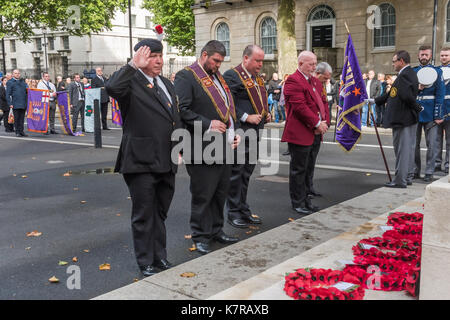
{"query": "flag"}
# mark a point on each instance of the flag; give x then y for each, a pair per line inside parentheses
(352, 94)
(116, 115)
(38, 108)
(64, 113)
(91, 95)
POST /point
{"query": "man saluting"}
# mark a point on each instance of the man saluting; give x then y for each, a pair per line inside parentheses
(147, 102)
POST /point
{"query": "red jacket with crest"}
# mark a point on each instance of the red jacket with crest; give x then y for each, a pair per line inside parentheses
(304, 103)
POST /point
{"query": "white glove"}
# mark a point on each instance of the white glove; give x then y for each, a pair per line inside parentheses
(371, 101)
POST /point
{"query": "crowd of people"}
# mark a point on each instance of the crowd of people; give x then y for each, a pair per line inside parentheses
(13, 96)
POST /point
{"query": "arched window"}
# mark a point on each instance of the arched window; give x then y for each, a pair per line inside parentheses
(384, 35)
(268, 34)
(322, 12)
(321, 27)
(447, 35)
(223, 35)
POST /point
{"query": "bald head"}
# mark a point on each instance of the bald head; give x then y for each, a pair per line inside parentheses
(307, 62)
(253, 58)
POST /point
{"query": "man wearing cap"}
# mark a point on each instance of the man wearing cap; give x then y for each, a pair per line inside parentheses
(148, 105)
(431, 99)
(444, 127)
(250, 97)
(208, 111)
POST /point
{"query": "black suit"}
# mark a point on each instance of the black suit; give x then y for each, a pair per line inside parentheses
(5, 109)
(98, 82)
(237, 205)
(144, 157)
(402, 114)
(209, 181)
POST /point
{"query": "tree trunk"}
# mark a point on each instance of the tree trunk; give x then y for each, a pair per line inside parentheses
(287, 44)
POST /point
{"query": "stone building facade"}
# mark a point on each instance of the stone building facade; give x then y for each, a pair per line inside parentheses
(378, 28)
(67, 55)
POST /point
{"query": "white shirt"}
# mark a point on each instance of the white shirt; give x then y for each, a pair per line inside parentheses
(230, 130)
(42, 86)
(368, 87)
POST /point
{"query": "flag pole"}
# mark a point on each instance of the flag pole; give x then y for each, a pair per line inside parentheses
(375, 126)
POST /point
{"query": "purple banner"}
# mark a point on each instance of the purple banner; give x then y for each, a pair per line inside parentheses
(38, 108)
(352, 94)
(64, 113)
(116, 115)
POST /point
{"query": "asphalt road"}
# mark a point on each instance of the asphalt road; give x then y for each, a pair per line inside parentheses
(86, 213)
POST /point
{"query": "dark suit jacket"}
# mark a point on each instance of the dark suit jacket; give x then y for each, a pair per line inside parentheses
(74, 93)
(148, 124)
(16, 93)
(241, 100)
(196, 106)
(375, 88)
(3, 104)
(401, 107)
(97, 83)
(303, 109)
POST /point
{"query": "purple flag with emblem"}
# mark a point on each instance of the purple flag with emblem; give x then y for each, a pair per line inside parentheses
(64, 114)
(352, 94)
(38, 108)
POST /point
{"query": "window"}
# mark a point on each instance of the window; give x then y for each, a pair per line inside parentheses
(38, 43)
(133, 20)
(37, 68)
(322, 12)
(65, 41)
(321, 28)
(447, 35)
(51, 43)
(223, 35)
(65, 67)
(148, 22)
(13, 64)
(268, 34)
(384, 36)
(12, 44)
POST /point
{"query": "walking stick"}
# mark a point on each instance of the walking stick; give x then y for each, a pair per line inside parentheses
(379, 142)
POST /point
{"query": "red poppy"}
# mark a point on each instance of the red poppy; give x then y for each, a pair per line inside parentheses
(159, 29)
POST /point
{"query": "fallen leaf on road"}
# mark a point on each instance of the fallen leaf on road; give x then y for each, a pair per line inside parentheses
(105, 266)
(255, 216)
(14, 175)
(34, 234)
(75, 189)
(248, 232)
(27, 248)
(135, 280)
(67, 174)
(118, 214)
(368, 174)
(63, 263)
(129, 198)
(24, 176)
(291, 220)
(83, 201)
(53, 279)
(86, 250)
(253, 227)
(188, 236)
(187, 275)
(33, 158)
(75, 259)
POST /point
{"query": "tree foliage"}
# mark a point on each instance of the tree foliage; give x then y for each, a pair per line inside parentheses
(177, 19)
(77, 17)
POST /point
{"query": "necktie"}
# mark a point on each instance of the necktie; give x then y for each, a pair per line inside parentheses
(161, 94)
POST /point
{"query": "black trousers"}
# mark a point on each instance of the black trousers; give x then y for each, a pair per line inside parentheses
(312, 162)
(19, 120)
(151, 195)
(4, 116)
(237, 206)
(301, 170)
(78, 109)
(104, 113)
(209, 188)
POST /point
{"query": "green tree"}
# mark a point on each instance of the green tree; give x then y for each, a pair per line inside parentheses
(177, 19)
(287, 43)
(77, 17)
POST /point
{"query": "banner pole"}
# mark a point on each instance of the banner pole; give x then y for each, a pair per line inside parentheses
(379, 142)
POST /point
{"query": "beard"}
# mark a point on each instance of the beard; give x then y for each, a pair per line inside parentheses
(424, 62)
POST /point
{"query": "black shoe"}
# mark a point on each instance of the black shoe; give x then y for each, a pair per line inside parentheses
(286, 153)
(202, 247)
(162, 264)
(53, 132)
(238, 223)
(394, 185)
(106, 128)
(148, 271)
(416, 176)
(223, 238)
(311, 207)
(302, 210)
(446, 170)
(437, 168)
(428, 178)
(409, 183)
(314, 193)
(253, 220)
(18, 135)
(23, 134)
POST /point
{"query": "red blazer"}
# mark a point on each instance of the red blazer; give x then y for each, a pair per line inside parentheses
(304, 106)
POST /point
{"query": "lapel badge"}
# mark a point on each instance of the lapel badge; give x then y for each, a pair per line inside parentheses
(150, 86)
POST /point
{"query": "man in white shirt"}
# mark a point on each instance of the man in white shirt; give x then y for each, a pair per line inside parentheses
(45, 84)
(373, 88)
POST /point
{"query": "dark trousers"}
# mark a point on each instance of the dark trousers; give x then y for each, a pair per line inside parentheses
(104, 113)
(237, 205)
(299, 173)
(209, 188)
(51, 115)
(19, 120)
(151, 195)
(312, 162)
(78, 109)
(4, 116)
(379, 109)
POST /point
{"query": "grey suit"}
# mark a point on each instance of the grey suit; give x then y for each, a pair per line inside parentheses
(77, 96)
